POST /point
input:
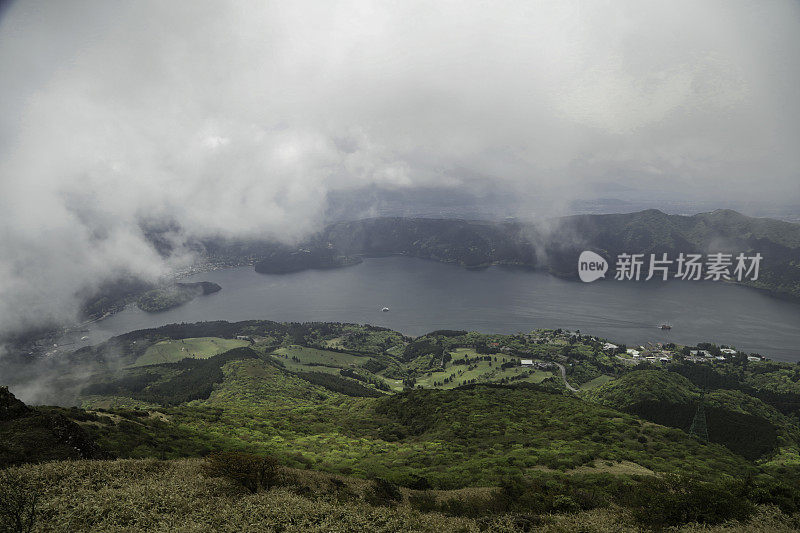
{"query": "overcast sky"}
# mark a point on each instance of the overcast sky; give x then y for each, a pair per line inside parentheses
(238, 117)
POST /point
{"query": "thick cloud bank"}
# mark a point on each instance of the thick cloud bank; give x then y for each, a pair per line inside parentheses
(237, 118)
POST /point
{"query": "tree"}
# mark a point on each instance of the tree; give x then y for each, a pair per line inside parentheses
(251, 471)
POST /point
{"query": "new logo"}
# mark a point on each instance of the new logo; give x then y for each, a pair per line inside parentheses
(591, 266)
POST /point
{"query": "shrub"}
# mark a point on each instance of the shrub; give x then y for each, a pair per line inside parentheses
(782, 490)
(673, 500)
(341, 491)
(424, 502)
(565, 504)
(253, 472)
(19, 497)
(383, 492)
(419, 483)
(473, 505)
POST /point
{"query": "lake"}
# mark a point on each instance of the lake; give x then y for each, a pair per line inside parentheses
(425, 295)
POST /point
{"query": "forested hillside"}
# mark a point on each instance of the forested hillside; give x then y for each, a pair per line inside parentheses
(551, 245)
(452, 422)
(556, 244)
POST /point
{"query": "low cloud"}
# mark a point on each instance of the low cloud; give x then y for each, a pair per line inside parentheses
(238, 118)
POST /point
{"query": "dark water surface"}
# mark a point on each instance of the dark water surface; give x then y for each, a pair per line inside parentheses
(426, 295)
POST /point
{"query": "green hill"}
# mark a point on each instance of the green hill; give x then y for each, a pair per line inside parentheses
(745, 425)
(556, 245)
(652, 231)
(478, 433)
(644, 386)
(177, 294)
(448, 428)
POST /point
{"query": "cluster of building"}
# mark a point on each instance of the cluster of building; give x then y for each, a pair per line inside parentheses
(655, 352)
(651, 353)
(535, 364)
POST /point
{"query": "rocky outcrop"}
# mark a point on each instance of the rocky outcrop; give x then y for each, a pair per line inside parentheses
(31, 435)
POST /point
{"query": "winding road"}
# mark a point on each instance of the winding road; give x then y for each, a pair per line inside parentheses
(564, 377)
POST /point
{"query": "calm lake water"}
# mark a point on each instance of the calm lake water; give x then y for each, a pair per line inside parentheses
(426, 295)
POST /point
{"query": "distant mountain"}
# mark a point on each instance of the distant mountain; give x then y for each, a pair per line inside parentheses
(285, 259)
(552, 245)
(652, 231)
(469, 243)
(556, 244)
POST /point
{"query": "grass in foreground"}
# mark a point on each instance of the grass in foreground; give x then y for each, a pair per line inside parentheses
(152, 495)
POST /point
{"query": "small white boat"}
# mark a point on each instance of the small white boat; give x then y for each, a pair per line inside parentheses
(385, 309)
(85, 338)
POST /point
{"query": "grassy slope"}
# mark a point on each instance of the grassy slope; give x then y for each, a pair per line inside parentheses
(481, 371)
(504, 429)
(454, 438)
(465, 437)
(597, 382)
(151, 495)
(170, 351)
(302, 358)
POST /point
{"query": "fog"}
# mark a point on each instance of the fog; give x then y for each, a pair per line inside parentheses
(238, 118)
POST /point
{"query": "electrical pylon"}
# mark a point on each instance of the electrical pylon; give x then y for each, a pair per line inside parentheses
(699, 428)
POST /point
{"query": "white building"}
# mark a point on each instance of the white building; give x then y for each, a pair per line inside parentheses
(526, 362)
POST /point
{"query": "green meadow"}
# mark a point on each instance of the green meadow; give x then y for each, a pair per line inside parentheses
(171, 351)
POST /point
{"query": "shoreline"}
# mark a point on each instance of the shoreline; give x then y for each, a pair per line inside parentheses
(44, 344)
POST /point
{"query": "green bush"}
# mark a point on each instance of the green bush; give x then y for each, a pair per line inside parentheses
(19, 497)
(251, 471)
(673, 500)
(424, 502)
(470, 506)
(383, 492)
(340, 490)
(565, 504)
(781, 489)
